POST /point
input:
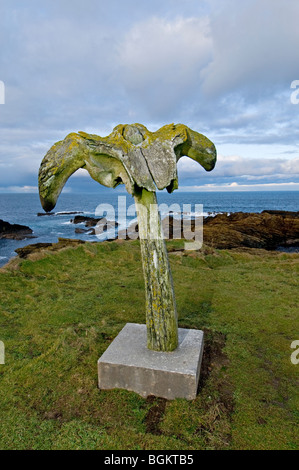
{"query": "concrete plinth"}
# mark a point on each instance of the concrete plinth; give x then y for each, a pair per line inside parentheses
(128, 364)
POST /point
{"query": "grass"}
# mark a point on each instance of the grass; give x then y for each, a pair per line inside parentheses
(59, 313)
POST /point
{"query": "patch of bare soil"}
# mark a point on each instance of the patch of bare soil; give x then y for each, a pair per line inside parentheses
(155, 414)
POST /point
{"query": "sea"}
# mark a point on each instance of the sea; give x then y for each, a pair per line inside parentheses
(24, 209)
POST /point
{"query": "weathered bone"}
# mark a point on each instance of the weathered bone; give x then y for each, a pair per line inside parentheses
(143, 161)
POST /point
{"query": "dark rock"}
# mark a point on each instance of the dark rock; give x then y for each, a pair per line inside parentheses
(268, 230)
(88, 221)
(282, 213)
(173, 228)
(69, 212)
(101, 224)
(90, 231)
(104, 225)
(42, 214)
(14, 231)
(25, 251)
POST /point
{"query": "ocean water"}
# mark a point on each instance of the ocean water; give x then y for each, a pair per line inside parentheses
(23, 208)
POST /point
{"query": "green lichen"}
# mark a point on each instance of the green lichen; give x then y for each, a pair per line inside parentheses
(77, 150)
(161, 314)
(142, 160)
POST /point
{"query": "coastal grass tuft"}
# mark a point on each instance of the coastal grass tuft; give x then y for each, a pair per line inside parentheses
(59, 313)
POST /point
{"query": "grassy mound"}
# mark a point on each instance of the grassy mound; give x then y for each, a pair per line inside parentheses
(59, 313)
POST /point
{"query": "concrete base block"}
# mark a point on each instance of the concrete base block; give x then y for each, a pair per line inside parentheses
(129, 364)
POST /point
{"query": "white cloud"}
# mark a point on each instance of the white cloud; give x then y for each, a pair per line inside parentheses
(161, 60)
(26, 189)
(81, 173)
(223, 68)
(19, 189)
(237, 166)
(292, 186)
(255, 44)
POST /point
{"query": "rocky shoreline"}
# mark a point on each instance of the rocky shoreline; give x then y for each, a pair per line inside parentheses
(14, 231)
(94, 225)
(268, 230)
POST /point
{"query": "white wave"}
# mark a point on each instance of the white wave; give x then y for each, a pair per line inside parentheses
(70, 213)
(74, 213)
(196, 214)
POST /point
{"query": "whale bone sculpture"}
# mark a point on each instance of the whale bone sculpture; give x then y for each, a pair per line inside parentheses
(143, 161)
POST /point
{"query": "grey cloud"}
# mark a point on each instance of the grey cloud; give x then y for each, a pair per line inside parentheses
(254, 45)
(223, 68)
(161, 61)
(240, 167)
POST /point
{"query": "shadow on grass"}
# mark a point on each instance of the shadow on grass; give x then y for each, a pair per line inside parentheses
(219, 407)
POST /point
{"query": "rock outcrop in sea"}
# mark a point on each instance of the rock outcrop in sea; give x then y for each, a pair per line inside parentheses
(101, 224)
(14, 231)
(268, 230)
(28, 250)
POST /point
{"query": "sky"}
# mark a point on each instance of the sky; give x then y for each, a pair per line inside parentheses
(224, 68)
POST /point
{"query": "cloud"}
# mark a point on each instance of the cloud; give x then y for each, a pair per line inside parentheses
(161, 61)
(292, 186)
(234, 165)
(19, 189)
(26, 189)
(223, 68)
(260, 172)
(254, 46)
